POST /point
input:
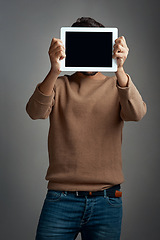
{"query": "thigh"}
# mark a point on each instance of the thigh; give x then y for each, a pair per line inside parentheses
(106, 219)
(55, 222)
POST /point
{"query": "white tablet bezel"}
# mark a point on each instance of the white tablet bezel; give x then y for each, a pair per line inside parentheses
(63, 30)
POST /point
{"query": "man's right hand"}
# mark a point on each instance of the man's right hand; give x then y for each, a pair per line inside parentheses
(56, 53)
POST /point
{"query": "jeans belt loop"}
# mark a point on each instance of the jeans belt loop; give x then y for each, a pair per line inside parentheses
(105, 193)
(65, 193)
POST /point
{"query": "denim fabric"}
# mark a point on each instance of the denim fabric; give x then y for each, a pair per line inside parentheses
(64, 215)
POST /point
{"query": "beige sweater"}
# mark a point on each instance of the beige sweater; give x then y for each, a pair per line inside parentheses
(85, 135)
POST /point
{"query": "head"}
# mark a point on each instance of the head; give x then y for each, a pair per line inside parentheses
(87, 22)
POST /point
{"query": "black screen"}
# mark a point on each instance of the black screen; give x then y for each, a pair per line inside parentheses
(88, 49)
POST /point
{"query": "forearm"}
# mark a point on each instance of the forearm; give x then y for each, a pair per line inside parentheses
(46, 87)
(133, 108)
(40, 103)
(122, 77)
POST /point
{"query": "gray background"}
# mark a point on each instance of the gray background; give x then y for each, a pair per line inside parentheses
(27, 28)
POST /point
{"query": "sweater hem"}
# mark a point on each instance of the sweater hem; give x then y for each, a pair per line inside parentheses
(87, 187)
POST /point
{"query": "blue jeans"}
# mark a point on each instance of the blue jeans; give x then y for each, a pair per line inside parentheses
(64, 215)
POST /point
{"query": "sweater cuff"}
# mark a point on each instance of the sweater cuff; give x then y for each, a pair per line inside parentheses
(125, 90)
(41, 97)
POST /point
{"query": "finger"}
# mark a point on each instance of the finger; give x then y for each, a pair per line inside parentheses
(119, 55)
(57, 44)
(56, 47)
(120, 49)
(60, 54)
(53, 41)
(61, 49)
(56, 41)
(122, 43)
(121, 40)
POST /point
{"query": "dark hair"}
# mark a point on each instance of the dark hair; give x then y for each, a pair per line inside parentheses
(86, 22)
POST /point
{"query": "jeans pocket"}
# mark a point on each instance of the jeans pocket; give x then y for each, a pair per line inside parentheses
(114, 201)
(53, 195)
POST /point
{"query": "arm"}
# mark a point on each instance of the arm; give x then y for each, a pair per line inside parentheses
(133, 108)
(41, 102)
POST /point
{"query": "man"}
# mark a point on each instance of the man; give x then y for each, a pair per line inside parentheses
(87, 111)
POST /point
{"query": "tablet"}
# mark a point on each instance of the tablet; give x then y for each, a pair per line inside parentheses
(88, 49)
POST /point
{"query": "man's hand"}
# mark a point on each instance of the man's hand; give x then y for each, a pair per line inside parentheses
(56, 53)
(120, 51)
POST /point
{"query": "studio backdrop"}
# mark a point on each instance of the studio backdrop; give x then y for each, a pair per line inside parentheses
(27, 28)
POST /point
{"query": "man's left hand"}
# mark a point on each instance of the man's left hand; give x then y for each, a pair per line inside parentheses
(120, 51)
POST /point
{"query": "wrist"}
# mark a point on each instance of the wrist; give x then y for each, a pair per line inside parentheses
(54, 73)
(120, 70)
(122, 77)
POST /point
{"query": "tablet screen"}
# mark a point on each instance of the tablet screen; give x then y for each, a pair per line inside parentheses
(88, 49)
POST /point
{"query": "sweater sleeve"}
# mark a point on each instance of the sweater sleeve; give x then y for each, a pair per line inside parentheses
(40, 105)
(133, 108)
